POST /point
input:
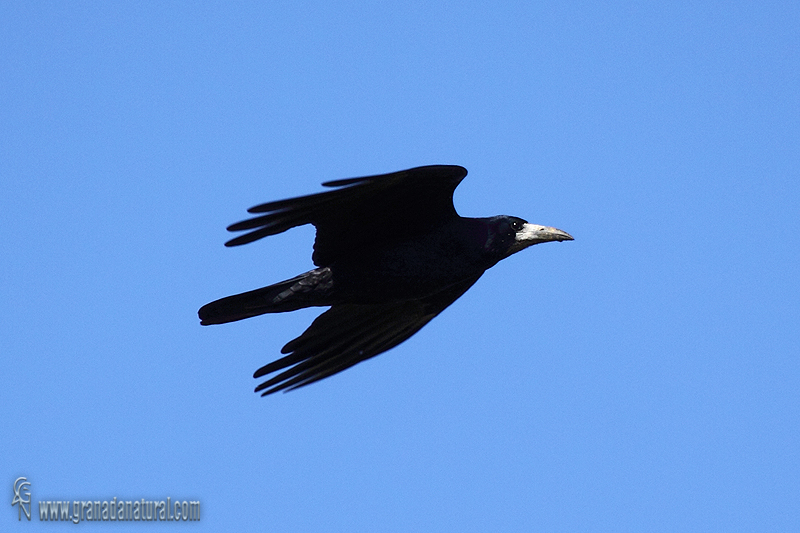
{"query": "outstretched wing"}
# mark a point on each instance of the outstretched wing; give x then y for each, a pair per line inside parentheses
(347, 334)
(361, 210)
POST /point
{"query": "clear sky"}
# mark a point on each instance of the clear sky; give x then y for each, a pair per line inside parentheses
(644, 377)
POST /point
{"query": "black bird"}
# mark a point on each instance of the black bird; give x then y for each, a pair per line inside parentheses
(392, 253)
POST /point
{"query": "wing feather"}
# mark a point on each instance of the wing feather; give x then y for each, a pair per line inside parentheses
(347, 334)
(360, 210)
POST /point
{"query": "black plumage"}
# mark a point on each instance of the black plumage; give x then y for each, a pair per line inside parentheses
(391, 253)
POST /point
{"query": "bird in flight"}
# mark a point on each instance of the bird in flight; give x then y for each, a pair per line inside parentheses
(391, 253)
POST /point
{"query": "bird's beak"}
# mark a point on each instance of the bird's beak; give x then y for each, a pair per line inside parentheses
(531, 234)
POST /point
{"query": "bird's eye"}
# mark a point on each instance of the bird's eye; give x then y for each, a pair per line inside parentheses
(516, 225)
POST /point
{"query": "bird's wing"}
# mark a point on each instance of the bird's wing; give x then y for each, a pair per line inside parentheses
(361, 210)
(347, 334)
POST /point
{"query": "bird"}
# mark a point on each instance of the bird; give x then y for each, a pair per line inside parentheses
(390, 253)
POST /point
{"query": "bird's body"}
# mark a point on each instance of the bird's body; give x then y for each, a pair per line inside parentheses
(391, 254)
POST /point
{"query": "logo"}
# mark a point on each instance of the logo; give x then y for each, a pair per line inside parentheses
(21, 485)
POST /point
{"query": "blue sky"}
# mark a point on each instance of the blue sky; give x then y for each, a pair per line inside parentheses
(644, 377)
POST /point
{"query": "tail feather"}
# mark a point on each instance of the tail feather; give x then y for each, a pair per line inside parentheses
(306, 290)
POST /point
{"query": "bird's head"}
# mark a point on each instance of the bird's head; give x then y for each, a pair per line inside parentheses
(508, 235)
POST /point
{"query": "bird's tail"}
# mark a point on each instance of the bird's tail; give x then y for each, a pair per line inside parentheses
(306, 290)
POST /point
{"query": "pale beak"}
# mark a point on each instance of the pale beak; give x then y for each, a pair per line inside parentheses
(531, 234)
